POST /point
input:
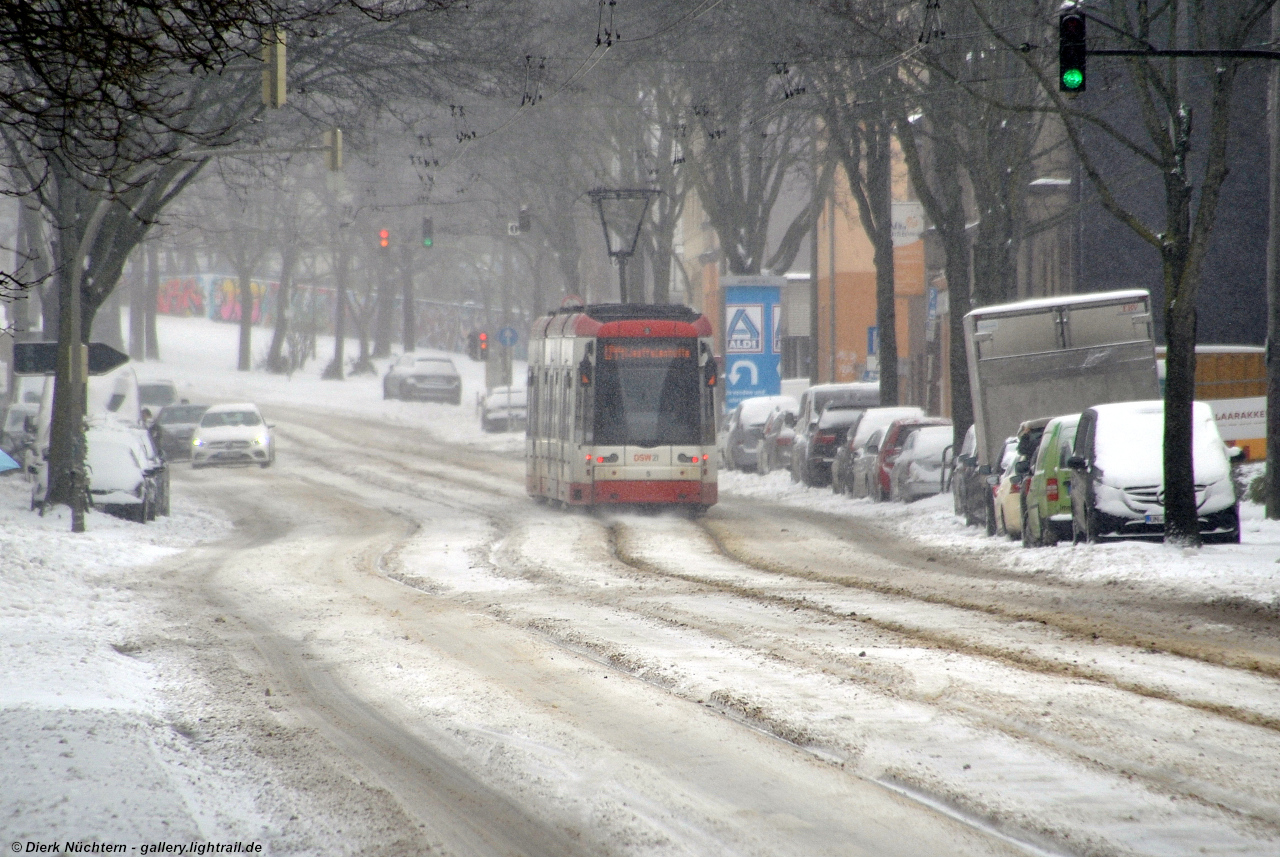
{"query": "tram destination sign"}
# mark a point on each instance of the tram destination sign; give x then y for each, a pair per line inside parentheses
(41, 358)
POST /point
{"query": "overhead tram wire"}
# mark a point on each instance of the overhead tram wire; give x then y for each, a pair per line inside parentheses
(581, 71)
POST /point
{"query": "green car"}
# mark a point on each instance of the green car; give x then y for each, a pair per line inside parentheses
(1046, 516)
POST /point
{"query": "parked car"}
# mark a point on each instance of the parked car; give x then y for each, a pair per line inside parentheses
(1047, 517)
(812, 402)
(971, 491)
(1117, 490)
(19, 429)
(888, 447)
(779, 436)
(124, 474)
(814, 458)
(173, 428)
(232, 434)
(504, 409)
(418, 376)
(1009, 491)
(745, 430)
(844, 466)
(918, 470)
(154, 395)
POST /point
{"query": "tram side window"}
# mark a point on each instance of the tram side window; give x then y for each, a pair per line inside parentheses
(566, 407)
(708, 411)
(534, 390)
(544, 429)
(554, 427)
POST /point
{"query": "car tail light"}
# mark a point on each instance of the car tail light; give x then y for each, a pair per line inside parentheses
(782, 441)
(825, 437)
(1051, 490)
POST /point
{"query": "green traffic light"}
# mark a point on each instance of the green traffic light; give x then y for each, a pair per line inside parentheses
(426, 242)
(1072, 78)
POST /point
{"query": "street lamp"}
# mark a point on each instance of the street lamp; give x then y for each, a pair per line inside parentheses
(622, 212)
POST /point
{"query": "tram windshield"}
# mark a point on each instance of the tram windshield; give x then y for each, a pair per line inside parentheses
(647, 392)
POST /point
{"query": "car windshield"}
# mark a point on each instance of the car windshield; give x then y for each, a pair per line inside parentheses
(1009, 454)
(215, 419)
(501, 397)
(429, 364)
(835, 416)
(181, 414)
(647, 392)
(156, 394)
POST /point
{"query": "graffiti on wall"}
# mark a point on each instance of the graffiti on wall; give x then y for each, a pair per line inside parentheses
(181, 296)
(225, 305)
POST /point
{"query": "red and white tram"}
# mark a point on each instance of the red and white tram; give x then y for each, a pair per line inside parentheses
(622, 407)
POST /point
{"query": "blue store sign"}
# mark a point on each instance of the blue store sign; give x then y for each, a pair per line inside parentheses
(752, 362)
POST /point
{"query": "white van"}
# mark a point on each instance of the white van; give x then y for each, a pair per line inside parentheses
(1119, 454)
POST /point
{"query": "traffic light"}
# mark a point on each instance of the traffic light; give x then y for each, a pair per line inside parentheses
(484, 344)
(1072, 51)
(384, 238)
(428, 232)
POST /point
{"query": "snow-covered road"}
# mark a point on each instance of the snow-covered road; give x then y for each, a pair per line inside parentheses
(382, 647)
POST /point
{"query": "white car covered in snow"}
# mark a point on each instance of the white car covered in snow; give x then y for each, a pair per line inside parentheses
(918, 470)
(232, 434)
(125, 475)
(1119, 459)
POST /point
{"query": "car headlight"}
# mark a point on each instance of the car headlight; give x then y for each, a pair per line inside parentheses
(260, 440)
(195, 441)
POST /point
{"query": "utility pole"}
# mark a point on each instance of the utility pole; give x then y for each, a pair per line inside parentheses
(1273, 284)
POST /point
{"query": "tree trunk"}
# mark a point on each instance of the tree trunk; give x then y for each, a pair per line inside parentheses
(1181, 519)
(245, 291)
(66, 434)
(284, 296)
(880, 201)
(151, 298)
(137, 311)
(335, 370)
(384, 310)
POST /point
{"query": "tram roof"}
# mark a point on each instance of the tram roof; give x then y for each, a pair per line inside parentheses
(634, 312)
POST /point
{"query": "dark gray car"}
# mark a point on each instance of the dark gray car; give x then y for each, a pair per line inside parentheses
(418, 376)
(173, 427)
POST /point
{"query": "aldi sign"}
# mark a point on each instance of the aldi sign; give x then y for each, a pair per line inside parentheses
(752, 356)
(744, 328)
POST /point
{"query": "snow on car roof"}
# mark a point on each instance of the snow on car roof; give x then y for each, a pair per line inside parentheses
(932, 440)
(1128, 443)
(756, 410)
(878, 418)
(239, 406)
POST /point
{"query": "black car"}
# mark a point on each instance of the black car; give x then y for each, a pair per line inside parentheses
(429, 379)
(812, 401)
(173, 427)
(814, 457)
(745, 430)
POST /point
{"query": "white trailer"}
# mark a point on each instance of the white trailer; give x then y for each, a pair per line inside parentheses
(1058, 355)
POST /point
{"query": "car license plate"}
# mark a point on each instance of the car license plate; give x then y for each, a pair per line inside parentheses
(1155, 519)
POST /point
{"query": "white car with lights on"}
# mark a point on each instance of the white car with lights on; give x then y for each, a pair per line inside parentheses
(232, 434)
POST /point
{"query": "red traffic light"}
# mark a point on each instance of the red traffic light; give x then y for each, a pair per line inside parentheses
(384, 238)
